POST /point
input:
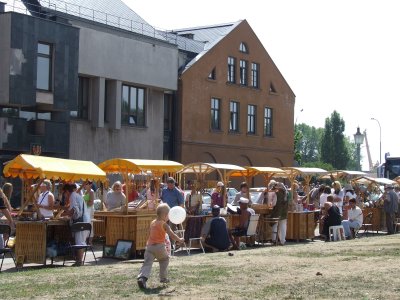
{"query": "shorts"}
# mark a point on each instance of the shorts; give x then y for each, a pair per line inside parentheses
(239, 232)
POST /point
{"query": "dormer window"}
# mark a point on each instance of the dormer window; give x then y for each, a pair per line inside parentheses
(212, 75)
(243, 48)
(272, 89)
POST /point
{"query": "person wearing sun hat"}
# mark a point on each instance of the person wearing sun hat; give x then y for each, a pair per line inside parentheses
(280, 211)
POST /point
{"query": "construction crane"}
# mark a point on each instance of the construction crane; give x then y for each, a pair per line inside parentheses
(371, 167)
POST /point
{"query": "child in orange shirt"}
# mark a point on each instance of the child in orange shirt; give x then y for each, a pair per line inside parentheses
(155, 247)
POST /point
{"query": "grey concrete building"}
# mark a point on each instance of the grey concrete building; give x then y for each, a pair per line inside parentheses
(110, 84)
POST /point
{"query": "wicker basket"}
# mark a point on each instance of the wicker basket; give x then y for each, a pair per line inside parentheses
(31, 242)
(120, 227)
(142, 231)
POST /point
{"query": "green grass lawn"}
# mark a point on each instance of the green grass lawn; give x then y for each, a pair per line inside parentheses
(366, 268)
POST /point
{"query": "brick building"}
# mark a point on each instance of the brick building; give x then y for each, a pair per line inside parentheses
(234, 105)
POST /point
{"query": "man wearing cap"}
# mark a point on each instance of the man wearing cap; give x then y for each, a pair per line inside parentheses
(215, 233)
(390, 206)
(354, 220)
(171, 195)
(219, 195)
(244, 218)
(280, 211)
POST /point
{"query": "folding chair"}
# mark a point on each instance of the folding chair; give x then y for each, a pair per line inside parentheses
(6, 229)
(252, 228)
(181, 234)
(76, 228)
(366, 225)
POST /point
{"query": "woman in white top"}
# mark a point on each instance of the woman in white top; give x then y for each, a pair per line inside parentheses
(45, 201)
(324, 197)
(338, 195)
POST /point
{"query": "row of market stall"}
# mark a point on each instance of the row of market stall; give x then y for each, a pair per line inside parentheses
(133, 224)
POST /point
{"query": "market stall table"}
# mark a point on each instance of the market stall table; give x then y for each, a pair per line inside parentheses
(132, 224)
(301, 225)
(33, 237)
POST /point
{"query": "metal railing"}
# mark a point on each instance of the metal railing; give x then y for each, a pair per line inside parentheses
(50, 8)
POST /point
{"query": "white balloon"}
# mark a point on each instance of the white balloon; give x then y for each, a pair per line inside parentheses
(177, 215)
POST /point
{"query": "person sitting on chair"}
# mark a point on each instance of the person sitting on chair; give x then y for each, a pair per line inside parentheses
(215, 233)
(355, 218)
(332, 218)
(244, 218)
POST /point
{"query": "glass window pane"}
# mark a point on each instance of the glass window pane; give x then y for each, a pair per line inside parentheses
(43, 73)
(133, 100)
(43, 49)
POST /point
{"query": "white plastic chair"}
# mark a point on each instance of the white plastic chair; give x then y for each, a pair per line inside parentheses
(252, 228)
(336, 233)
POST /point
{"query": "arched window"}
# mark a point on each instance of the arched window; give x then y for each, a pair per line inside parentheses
(243, 48)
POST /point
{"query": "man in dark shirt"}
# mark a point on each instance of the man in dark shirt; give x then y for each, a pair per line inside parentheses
(215, 234)
(332, 218)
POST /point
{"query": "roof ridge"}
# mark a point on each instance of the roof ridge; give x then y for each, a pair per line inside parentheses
(203, 27)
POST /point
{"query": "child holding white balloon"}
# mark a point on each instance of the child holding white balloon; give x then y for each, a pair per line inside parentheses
(155, 248)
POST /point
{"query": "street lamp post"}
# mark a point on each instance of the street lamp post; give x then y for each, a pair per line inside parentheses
(358, 139)
(380, 140)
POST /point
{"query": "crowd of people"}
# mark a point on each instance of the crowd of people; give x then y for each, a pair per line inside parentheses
(338, 205)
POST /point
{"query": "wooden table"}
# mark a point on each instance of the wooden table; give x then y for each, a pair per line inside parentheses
(378, 217)
(133, 226)
(301, 225)
(32, 238)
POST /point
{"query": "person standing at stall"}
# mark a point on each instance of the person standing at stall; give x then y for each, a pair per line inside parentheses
(7, 190)
(280, 211)
(77, 212)
(171, 195)
(45, 201)
(4, 211)
(193, 200)
(390, 206)
(219, 196)
(244, 192)
(115, 198)
(88, 197)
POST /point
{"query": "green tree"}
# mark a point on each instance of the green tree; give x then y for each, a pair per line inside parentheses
(309, 145)
(319, 164)
(333, 146)
(297, 140)
(352, 150)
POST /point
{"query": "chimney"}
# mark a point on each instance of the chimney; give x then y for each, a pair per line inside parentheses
(2, 7)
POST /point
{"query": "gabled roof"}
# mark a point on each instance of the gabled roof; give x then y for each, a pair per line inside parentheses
(205, 34)
(210, 35)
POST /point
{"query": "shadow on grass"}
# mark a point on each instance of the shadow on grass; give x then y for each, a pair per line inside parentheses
(161, 290)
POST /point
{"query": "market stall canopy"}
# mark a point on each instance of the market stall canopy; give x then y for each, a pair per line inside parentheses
(342, 174)
(295, 171)
(31, 166)
(369, 180)
(207, 168)
(137, 166)
(253, 171)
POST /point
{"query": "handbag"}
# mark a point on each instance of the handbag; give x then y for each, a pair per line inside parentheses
(80, 219)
